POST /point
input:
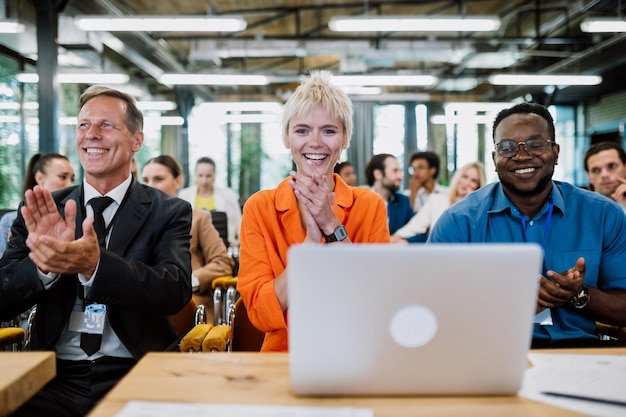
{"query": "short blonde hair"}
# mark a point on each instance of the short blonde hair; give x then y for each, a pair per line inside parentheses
(316, 90)
(454, 182)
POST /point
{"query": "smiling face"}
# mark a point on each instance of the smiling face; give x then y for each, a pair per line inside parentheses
(315, 140)
(523, 174)
(469, 181)
(104, 144)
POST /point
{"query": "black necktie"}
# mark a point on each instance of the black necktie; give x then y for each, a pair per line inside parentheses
(90, 343)
(99, 204)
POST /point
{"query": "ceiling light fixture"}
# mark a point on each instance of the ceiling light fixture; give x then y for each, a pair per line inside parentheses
(156, 105)
(249, 118)
(534, 79)
(161, 23)
(603, 25)
(384, 80)
(361, 90)
(213, 79)
(11, 26)
(164, 120)
(241, 106)
(85, 78)
(414, 24)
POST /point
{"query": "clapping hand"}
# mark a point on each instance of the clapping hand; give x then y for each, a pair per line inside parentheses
(317, 200)
(559, 289)
(51, 237)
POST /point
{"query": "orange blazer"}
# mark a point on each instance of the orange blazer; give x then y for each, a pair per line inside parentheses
(271, 224)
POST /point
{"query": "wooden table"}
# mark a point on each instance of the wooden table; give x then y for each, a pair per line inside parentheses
(22, 374)
(254, 378)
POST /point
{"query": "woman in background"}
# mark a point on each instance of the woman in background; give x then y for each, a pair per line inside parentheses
(313, 205)
(209, 258)
(346, 172)
(465, 180)
(50, 171)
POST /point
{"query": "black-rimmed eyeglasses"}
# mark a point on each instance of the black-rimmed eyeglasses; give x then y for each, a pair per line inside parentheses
(411, 169)
(508, 148)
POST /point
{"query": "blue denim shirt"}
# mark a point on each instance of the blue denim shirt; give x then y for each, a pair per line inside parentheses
(399, 211)
(583, 224)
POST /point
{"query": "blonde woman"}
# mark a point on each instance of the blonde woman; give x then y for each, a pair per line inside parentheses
(312, 205)
(465, 180)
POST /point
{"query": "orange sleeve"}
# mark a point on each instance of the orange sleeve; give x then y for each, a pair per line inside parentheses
(262, 258)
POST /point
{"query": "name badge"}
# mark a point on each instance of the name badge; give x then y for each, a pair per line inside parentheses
(89, 321)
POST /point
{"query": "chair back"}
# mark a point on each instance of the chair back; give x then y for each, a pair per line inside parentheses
(220, 222)
(188, 317)
(245, 337)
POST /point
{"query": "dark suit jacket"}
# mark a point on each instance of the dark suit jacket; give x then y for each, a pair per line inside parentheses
(143, 277)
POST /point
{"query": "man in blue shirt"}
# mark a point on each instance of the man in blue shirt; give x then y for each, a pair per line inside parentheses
(384, 177)
(583, 234)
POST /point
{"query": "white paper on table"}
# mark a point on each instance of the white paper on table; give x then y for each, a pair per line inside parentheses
(168, 409)
(599, 378)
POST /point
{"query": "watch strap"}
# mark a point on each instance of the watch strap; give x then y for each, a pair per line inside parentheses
(338, 235)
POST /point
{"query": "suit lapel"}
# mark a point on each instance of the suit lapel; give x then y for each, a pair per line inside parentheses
(75, 195)
(131, 216)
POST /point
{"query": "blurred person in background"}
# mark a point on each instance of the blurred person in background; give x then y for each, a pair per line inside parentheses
(205, 195)
(50, 171)
(209, 257)
(346, 172)
(605, 164)
(465, 180)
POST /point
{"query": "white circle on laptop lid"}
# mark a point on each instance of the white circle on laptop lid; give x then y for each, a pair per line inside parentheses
(413, 326)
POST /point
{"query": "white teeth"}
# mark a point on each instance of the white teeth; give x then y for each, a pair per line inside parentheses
(91, 151)
(524, 171)
(315, 157)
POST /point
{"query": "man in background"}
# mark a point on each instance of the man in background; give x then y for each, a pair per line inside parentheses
(384, 177)
(424, 171)
(605, 164)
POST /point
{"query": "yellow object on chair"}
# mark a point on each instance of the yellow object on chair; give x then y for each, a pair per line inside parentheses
(217, 339)
(192, 341)
(10, 336)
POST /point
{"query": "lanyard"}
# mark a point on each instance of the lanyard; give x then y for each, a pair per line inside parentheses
(548, 219)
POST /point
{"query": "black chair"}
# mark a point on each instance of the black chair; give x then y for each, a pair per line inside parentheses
(220, 221)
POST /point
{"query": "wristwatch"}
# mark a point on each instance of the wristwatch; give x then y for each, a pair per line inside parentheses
(581, 299)
(338, 235)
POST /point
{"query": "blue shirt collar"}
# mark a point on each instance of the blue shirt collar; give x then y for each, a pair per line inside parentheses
(502, 203)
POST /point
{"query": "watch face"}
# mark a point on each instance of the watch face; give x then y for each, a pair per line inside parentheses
(338, 235)
(581, 300)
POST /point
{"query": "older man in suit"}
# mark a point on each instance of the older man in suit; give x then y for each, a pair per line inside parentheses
(104, 284)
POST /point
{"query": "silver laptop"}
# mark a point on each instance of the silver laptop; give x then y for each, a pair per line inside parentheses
(444, 319)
